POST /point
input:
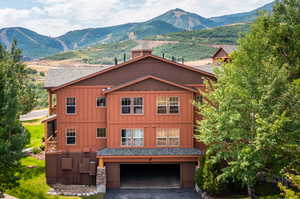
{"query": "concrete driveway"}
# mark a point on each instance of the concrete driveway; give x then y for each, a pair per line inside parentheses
(152, 194)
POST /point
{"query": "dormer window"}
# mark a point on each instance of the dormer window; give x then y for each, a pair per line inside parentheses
(71, 105)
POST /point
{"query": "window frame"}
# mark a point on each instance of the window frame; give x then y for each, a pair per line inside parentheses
(101, 137)
(66, 106)
(167, 137)
(132, 137)
(168, 105)
(104, 102)
(132, 106)
(75, 136)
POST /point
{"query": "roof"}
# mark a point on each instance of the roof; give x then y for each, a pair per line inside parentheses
(207, 68)
(227, 48)
(104, 70)
(145, 78)
(58, 77)
(149, 152)
(50, 118)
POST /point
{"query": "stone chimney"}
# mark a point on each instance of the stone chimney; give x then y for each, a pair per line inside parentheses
(141, 50)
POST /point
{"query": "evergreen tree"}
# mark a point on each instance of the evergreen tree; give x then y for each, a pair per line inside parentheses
(15, 98)
(251, 117)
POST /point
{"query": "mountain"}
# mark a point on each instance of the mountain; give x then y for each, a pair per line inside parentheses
(185, 20)
(32, 44)
(244, 17)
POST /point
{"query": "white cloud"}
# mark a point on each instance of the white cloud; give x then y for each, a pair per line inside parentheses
(55, 17)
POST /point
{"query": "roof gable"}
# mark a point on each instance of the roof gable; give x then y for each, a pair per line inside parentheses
(170, 85)
(133, 61)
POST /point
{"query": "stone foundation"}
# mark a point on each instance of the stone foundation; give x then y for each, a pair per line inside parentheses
(72, 190)
(101, 180)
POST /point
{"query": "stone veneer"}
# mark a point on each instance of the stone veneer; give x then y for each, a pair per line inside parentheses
(101, 180)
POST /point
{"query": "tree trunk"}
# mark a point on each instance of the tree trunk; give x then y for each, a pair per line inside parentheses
(251, 192)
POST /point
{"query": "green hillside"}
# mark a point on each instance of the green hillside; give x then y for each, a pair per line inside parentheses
(191, 46)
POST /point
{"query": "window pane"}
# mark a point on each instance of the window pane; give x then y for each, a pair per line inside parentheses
(161, 101)
(173, 141)
(126, 141)
(101, 132)
(161, 141)
(71, 101)
(126, 110)
(173, 101)
(174, 109)
(101, 101)
(71, 140)
(138, 142)
(162, 109)
(138, 101)
(125, 101)
(71, 109)
(138, 110)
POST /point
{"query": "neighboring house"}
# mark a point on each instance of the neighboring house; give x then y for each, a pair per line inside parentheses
(222, 54)
(125, 126)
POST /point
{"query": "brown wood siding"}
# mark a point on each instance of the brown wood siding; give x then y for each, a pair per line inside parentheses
(87, 119)
(148, 66)
(187, 174)
(151, 85)
(56, 174)
(113, 175)
(150, 120)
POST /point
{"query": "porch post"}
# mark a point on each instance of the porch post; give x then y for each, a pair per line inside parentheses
(50, 102)
(101, 177)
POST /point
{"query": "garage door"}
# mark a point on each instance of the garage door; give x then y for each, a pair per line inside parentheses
(156, 176)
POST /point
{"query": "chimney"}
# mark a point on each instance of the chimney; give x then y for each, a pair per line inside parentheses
(141, 50)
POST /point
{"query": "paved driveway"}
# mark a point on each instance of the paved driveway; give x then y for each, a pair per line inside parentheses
(152, 194)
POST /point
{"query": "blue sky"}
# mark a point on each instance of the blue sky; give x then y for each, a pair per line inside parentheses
(55, 17)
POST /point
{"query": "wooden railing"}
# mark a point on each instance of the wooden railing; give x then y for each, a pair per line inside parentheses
(51, 144)
(52, 110)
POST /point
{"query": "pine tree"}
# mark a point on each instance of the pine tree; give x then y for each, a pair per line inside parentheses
(15, 98)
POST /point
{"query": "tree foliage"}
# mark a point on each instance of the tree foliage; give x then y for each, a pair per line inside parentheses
(251, 117)
(15, 98)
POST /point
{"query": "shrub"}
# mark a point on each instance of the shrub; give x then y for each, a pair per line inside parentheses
(42, 74)
(36, 150)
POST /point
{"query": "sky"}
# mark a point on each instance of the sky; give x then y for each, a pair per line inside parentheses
(56, 17)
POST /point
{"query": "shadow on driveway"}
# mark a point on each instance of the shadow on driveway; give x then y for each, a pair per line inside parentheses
(152, 194)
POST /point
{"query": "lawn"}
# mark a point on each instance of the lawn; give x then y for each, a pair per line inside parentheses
(33, 182)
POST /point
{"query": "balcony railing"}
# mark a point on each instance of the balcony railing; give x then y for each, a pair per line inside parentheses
(52, 110)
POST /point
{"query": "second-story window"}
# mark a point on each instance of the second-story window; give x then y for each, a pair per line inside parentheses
(71, 105)
(132, 105)
(101, 102)
(132, 137)
(167, 105)
(101, 133)
(71, 136)
(167, 137)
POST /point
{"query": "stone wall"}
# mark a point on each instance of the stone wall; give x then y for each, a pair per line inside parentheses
(101, 180)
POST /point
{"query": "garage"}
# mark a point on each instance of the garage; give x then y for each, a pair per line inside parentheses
(148, 176)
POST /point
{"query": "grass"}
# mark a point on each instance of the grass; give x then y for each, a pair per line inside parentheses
(36, 130)
(33, 181)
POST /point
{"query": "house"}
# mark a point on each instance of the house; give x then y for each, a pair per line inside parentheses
(125, 126)
(222, 54)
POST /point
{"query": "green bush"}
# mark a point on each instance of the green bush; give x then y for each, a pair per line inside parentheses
(36, 150)
(206, 178)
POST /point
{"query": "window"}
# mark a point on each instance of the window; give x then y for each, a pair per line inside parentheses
(167, 105)
(71, 105)
(71, 136)
(132, 105)
(101, 133)
(199, 99)
(101, 102)
(167, 137)
(132, 137)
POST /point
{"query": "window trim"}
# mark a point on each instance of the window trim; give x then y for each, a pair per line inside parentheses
(132, 106)
(66, 136)
(167, 138)
(101, 106)
(66, 106)
(168, 107)
(101, 137)
(132, 138)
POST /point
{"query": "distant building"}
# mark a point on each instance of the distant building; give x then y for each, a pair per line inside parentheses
(222, 54)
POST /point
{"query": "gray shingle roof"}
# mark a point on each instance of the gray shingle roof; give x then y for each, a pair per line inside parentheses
(148, 151)
(58, 77)
(229, 49)
(206, 68)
